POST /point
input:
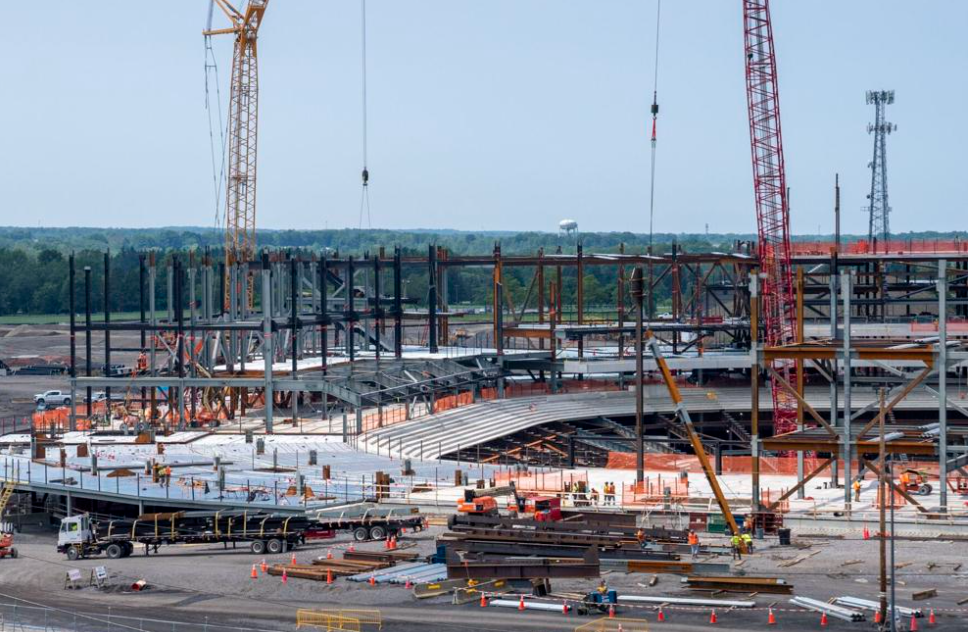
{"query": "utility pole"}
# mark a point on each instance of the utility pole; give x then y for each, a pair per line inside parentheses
(837, 212)
(879, 225)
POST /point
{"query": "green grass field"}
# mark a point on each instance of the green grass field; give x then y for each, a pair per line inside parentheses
(54, 319)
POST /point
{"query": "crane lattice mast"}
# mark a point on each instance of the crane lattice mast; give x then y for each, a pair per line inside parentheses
(243, 126)
(772, 210)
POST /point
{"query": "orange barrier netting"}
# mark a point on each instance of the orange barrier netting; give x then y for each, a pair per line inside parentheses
(731, 464)
(553, 482)
(893, 246)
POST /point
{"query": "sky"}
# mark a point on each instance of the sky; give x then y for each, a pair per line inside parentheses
(497, 115)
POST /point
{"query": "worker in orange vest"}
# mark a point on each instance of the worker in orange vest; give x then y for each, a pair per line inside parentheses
(856, 487)
(168, 476)
(694, 543)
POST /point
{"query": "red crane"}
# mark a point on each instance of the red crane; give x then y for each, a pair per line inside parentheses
(772, 210)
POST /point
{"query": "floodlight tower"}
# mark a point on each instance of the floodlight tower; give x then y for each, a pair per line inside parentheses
(879, 227)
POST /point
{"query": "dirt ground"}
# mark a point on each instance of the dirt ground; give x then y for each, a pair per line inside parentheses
(192, 584)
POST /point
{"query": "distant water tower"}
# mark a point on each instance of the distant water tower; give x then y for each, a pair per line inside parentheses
(568, 226)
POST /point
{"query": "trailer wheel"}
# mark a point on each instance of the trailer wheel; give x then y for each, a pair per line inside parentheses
(258, 547)
(360, 534)
(128, 549)
(13, 553)
(274, 546)
(378, 533)
(924, 490)
(114, 551)
(72, 553)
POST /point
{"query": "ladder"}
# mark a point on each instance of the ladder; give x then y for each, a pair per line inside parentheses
(5, 495)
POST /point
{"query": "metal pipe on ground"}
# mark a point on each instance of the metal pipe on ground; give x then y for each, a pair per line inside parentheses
(866, 604)
(688, 601)
(838, 612)
(528, 605)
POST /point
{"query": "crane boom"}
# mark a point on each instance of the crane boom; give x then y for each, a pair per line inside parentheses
(243, 127)
(772, 207)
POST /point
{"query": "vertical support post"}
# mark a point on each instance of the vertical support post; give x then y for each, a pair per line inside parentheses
(153, 319)
(397, 303)
(942, 363)
(73, 307)
(755, 385)
(883, 492)
(107, 325)
(845, 290)
(324, 313)
(800, 338)
(580, 296)
(377, 306)
(498, 301)
(834, 385)
(620, 300)
(87, 333)
(180, 340)
(638, 291)
(294, 327)
(267, 353)
(142, 280)
(350, 297)
(541, 298)
(432, 297)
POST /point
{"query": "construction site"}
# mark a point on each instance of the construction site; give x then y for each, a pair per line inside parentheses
(769, 436)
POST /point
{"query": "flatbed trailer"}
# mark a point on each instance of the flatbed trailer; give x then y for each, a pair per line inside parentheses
(81, 536)
(369, 522)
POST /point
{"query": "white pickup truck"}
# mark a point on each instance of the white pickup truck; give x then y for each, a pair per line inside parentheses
(52, 398)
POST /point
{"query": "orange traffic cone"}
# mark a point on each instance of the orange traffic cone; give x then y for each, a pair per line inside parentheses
(867, 533)
(914, 624)
(931, 619)
(264, 567)
(771, 618)
(611, 611)
(823, 620)
(712, 617)
(255, 573)
(386, 544)
(285, 577)
(393, 542)
(352, 548)
(408, 584)
(329, 576)
(521, 603)
(292, 560)
(619, 627)
(483, 601)
(877, 616)
(329, 554)
(661, 616)
(564, 607)
(372, 580)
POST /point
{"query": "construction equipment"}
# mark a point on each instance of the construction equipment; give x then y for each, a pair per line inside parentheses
(597, 601)
(772, 205)
(477, 505)
(683, 414)
(543, 508)
(6, 543)
(242, 134)
(915, 482)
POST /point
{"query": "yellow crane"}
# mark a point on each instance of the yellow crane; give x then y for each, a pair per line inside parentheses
(242, 134)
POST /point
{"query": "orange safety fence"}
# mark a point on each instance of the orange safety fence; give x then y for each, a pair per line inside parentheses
(893, 246)
(387, 416)
(731, 464)
(553, 482)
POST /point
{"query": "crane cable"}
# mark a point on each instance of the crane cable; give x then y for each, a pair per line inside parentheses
(218, 167)
(655, 114)
(365, 195)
